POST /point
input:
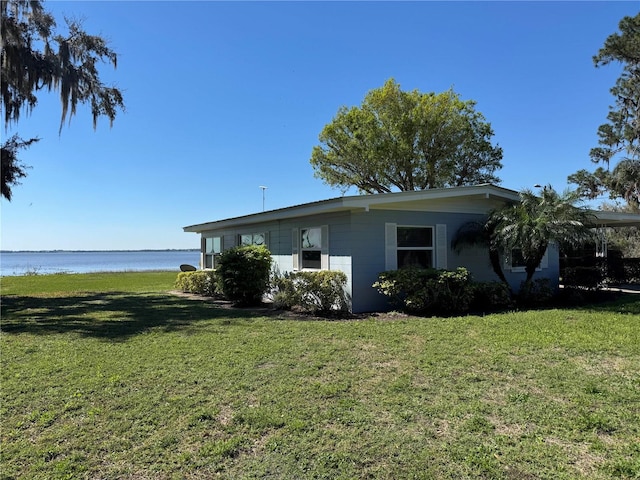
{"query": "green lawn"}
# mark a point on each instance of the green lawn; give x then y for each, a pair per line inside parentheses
(108, 376)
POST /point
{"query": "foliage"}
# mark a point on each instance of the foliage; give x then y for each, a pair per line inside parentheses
(535, 293)
(12, 169)
(407, 141)
(427, 291)
(491, 297)
(123, 384)
(632, 270)
(624, 239)
(620, 137)
(398, 285)
(321, 292)
(200, 282)
(66, 63)
(582, 276)
(244, 273)
(532, 223)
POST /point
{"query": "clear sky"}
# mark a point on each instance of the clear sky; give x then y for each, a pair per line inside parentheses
(225, 97)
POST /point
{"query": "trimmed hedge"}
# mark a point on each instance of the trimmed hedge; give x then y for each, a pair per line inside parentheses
(427, 291)
(491, 297)
(320, 292)
(200, 282)
(590, 278)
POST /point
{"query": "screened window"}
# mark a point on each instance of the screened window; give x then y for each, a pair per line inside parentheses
(514, 261)
(212, 251)
(415, 247)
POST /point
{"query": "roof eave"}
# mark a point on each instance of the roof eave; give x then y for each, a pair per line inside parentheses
(359, 202)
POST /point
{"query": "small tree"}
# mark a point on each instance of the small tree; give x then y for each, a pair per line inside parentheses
(532, 223)
(244, 274)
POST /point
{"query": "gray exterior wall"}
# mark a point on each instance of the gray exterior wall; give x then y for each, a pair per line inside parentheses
(357, 247)
(368, 237)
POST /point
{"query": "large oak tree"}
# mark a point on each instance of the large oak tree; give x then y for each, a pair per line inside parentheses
(37, 58)
(399, 140)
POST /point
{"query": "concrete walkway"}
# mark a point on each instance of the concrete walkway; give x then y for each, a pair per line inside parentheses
(624, 289)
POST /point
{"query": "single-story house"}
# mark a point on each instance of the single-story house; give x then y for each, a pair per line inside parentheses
(364, 235)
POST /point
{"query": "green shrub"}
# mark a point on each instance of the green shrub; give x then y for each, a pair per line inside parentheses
(283, 290)
(491, 296)
(244, 274)
(536, 293)
(585, 277)
(320, 292)
(200, 282)
(431, 291)
(399, 285)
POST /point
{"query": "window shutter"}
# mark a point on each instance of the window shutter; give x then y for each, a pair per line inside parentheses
(390, 246)
(441, 246)
(324, 247)
(295, 239)
(202, 250)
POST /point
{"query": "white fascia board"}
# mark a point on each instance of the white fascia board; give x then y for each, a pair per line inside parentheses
(395, 200)
(615, 219)
(325, 206)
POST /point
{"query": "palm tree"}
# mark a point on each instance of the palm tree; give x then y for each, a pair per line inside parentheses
(531, 224)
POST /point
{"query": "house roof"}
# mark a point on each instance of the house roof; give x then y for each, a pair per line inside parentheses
(463, 198)
(616, 219)
(411, 200)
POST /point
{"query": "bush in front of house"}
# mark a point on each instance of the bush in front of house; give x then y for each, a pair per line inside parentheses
(321, 292)
(244, 274)
(201, 282)
(400, 285)
(536, 293)
(590, 278)
(491, 297)
(427, 291)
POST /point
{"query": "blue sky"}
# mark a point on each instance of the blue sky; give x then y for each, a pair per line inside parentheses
(223, 97)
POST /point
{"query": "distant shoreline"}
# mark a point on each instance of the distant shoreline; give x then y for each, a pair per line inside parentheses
(104, 251)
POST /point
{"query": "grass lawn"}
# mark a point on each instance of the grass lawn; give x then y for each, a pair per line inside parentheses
(108, 376)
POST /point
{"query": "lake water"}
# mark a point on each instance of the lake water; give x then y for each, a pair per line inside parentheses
(21, 263)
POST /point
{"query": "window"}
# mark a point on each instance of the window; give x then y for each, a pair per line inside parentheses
(517, 259)
(310, 248)
(514, 260)
(253, 239)
(414, 247)
(311, 243)
(212, 251)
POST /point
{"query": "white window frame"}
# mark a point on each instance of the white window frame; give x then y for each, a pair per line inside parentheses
(430, 249)
(508, 261)
(212, 252)
(298, 248)
(439, 245)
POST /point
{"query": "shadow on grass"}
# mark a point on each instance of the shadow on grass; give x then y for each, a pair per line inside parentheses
(625, 303)
(599, 301)
(111, 316)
